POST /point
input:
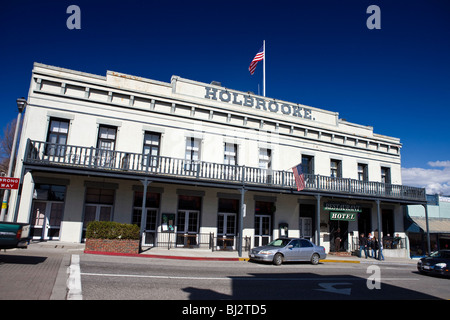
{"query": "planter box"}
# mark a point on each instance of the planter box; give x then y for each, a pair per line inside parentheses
(116, 245)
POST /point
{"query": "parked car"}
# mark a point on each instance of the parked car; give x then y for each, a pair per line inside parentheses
(437, 263)
(14, 235)
(288, 249)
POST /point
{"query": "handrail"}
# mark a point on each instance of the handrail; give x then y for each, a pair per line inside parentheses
(44, 153)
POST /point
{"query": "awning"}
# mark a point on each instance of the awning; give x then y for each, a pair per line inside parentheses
(435, 225)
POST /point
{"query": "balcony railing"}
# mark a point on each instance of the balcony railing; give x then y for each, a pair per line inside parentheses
(43, 153)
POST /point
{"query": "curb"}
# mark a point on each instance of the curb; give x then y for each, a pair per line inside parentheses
(342, 261)
(157, 256)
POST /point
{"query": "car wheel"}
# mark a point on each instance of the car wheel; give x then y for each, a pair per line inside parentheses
(315, 259)
(278, 259)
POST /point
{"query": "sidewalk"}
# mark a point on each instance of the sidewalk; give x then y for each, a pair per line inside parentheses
(204, 254)
(225, 255)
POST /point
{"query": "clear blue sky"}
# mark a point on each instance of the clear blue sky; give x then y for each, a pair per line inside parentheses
(318, 53)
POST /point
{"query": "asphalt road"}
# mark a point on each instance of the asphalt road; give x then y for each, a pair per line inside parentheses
(127, 278)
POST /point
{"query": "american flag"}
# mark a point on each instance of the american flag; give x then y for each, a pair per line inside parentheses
(299, 177)
(259, 56)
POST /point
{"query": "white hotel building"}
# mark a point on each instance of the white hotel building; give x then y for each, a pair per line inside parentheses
(215, 164)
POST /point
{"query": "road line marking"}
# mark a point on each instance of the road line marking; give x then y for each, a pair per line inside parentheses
(235, 278)
(74, 280)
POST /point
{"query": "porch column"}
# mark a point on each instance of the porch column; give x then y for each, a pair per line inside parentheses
(428, 229)
(317, 233)
(145, 183)
(241, 221)
(379, 225)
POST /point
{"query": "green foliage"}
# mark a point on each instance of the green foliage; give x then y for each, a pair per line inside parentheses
(112, 230)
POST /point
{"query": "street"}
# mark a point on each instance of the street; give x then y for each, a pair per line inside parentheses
(128, 278)
(54, 274)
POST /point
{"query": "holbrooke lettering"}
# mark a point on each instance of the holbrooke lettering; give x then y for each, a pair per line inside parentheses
(257, 103)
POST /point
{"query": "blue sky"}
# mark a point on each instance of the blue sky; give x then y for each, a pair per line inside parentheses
(318, 53)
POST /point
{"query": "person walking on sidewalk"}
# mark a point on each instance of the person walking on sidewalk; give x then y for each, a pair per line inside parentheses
(369, 243)
(380, 248)
(374, 247)
(362, 245)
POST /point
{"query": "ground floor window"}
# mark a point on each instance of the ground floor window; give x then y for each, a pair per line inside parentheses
(364, 221)
(226, 223)
(98, 206)
(387, 221)
(152, 203)
(264, 211)
(188, 218)
(47, 211)
(307, 220)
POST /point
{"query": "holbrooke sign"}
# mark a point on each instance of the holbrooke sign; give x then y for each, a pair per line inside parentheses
(258, 103)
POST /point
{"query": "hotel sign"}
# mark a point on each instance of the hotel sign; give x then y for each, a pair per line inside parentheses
(343, 216)
(342, 211)
(247, 100)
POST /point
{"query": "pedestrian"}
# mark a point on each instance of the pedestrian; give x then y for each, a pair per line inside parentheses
(337, 240)
(369, 244)
(380, 248)
(374, 247)
(362, 245)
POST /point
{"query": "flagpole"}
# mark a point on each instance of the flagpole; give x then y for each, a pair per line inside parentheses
(264, 68)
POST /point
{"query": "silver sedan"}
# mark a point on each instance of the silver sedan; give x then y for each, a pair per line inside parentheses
(288, 249)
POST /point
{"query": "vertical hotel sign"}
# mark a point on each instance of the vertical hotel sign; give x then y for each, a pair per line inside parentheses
(342, 211)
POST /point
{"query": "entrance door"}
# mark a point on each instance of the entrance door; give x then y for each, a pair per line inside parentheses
(339, 229)
(46, 220)
(149, 237)
(187, 227)
(262, 229)
(305, 227)
(226, 230)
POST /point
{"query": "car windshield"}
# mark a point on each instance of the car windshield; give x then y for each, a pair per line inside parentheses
(440, 254)
(279, 242)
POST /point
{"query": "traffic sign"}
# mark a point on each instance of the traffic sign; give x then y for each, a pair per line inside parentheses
(9, 183)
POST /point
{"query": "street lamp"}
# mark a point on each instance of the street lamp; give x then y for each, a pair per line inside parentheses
(21, 104)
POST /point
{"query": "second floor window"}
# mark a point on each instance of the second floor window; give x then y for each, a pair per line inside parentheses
(106, 142)
(230, 154)
(106, 137)
(385, 175)
(192, 152)
(57, 137)
(336, 168)
(265, 158)
(308, 164)
(152, 142)
(362, 172)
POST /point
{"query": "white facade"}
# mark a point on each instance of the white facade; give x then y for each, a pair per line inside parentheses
(193, 140)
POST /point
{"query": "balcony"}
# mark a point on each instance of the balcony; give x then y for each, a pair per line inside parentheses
(77, 157)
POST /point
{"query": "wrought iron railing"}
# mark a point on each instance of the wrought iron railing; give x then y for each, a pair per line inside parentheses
(44, 153)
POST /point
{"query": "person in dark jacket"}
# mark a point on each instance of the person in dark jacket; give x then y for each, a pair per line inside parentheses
(362, 245)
